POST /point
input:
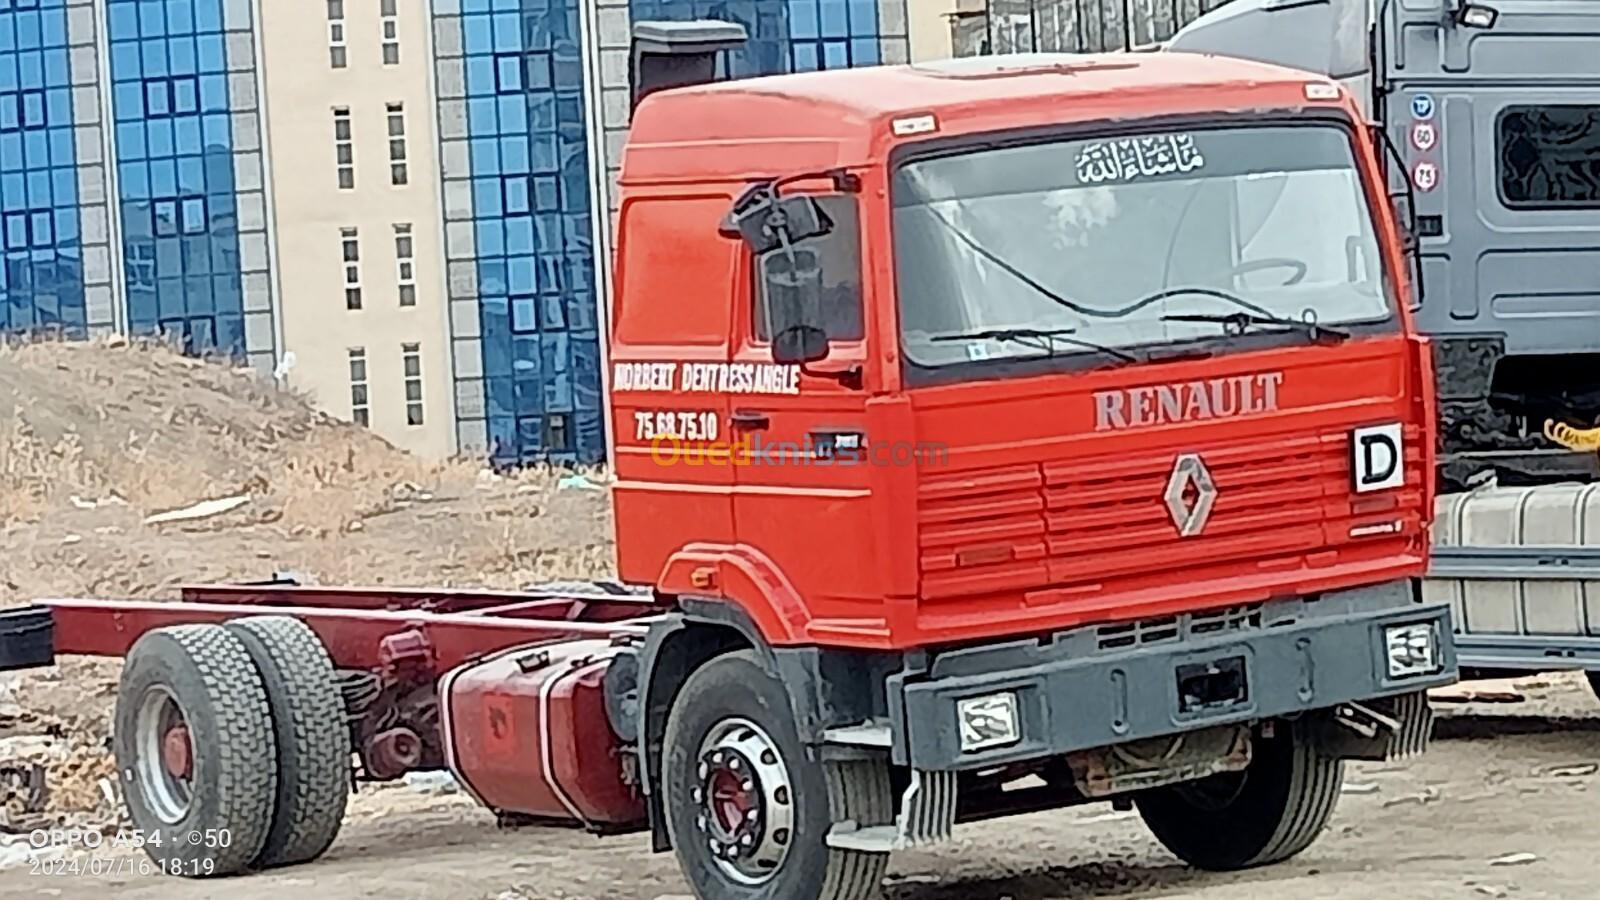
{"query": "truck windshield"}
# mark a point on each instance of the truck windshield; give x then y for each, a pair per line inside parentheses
(1112, 237)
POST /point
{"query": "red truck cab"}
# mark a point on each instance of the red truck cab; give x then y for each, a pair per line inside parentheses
(998, 413)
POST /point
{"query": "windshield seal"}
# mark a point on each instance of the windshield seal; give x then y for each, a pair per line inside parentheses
(1070, 359)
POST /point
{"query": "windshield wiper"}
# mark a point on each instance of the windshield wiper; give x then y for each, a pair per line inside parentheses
(1045, 336)
(1240, 322)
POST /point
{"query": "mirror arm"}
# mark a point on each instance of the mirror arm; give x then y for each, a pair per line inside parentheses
(1413, 241)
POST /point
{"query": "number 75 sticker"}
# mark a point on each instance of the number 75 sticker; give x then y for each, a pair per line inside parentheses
(1425, 176)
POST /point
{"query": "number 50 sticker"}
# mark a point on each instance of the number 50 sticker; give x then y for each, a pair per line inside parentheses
(1425, 176)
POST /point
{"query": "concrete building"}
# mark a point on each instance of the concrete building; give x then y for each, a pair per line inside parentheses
(400, 206)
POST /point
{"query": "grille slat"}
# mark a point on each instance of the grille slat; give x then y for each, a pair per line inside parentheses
(1095, 522)
(1171, 629)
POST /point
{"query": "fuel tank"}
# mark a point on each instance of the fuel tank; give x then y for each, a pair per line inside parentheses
(526, 732)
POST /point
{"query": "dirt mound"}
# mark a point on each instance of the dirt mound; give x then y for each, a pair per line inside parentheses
(127, 470)
(139, 423)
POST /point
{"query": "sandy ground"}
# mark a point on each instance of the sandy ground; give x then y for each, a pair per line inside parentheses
(93, 439)
(1505, 784)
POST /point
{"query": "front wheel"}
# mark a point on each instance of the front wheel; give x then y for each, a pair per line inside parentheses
(748, 813)
(1265, 814)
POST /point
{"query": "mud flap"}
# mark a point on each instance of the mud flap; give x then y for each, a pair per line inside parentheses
(927, 817)
(1381, 730)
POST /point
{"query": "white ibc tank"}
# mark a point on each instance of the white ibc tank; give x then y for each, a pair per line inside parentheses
(1549, 515)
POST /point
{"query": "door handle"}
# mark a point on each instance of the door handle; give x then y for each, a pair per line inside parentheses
(751, 419)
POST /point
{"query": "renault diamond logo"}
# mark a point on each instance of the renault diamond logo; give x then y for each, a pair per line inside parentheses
(1190, 494)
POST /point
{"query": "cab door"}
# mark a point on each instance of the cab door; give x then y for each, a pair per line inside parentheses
(674, 295)
(803, 467)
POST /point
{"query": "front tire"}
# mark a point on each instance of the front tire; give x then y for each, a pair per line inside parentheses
(747, 811)
(1266, 814)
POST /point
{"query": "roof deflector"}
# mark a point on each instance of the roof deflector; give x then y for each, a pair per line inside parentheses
(668, 54)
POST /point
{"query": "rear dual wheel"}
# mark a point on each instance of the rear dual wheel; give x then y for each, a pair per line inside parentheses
(232, 746)
(747, 811)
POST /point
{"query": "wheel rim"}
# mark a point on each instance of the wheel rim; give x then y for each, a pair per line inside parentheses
(744, 801)
(165, 764)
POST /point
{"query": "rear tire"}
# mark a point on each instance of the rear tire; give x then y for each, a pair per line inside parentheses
(731, 727)
(1268, 813)
(313, 736)
(194, 746)
(1594, 681)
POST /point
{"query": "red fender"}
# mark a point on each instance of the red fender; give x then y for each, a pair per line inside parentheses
(745, 577)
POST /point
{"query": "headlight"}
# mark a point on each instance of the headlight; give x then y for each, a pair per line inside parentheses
(1412, 649)
(988, 721)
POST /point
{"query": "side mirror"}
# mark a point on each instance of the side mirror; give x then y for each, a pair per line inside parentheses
(793, 283)
(767, 222)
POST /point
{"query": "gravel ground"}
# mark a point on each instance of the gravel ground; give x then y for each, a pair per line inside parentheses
(1513, 783)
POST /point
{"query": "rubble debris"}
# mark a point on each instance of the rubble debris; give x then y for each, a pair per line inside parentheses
(1354, 787)
(1514, 859)
(578, 483)
(23, 794)
(1461, 694)
(203, 510)
(1578, 770)
(431, 782)
(1421, 798)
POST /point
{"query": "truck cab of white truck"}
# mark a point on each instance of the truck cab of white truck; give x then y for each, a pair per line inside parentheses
(1493, 110)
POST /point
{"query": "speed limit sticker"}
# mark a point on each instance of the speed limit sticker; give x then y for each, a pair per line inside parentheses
(1424, 136)
(1425, 176)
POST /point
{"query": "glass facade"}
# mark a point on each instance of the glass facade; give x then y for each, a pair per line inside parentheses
(41, 237)
(517, 188)
(188, 166)
(518, 237)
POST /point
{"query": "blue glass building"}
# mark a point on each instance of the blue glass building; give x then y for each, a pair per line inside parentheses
(136, 196)
(518, 187)
(183, 103)
(41, 233)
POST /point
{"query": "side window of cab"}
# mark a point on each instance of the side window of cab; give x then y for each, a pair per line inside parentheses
(839, 254)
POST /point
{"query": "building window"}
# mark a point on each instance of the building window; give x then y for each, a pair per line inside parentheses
(338, 56)
(398, 173)
(405, 253)
(360, 409)
(412, 356)
(391, 32)
(352, 267)
(344, 149)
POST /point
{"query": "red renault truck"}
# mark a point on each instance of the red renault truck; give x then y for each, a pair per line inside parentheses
(989, 436)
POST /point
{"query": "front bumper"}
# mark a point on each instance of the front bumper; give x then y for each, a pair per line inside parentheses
(1098, 686)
